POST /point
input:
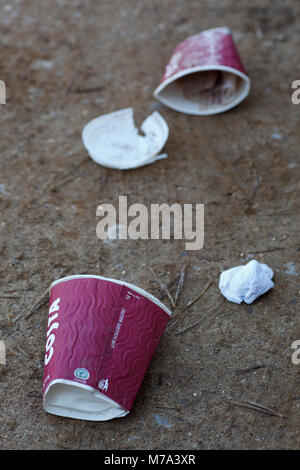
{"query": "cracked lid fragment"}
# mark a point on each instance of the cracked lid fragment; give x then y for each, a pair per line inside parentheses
(112, 140)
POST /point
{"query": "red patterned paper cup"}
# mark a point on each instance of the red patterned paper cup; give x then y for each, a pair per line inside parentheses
(101, 336)
(205, 75)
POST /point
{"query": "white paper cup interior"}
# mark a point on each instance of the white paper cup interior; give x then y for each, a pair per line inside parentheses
(204, 91)
(76, 400)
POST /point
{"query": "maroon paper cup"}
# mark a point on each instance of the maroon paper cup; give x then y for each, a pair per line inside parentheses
(205, 75)
(101, 336)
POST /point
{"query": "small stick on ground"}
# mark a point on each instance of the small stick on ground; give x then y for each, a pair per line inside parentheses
(23, 352)
(265, 409)
(255, 406)
(163, 287)
(198, 322)
(45, 295)
(250, 369)
(85, 90)
(268, 250)
(188, 327)
(180, 284)
(172, 283)
(2, 354)
(39, 303)
(197, 297)
(166, 407)
(176, 315)
(10, 297)
(66, 178)
(172, 325)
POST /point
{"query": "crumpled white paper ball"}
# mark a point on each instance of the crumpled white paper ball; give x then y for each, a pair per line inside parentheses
(246, 283)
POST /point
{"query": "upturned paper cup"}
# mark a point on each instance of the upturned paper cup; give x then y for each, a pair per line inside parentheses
(101, 336)
(205, 75)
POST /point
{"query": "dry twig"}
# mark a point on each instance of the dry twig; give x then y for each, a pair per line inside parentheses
(85, 90)
(39, 303)
(250, 369)
(255, 406)
(163, 287)
(180, 284)
(44, 297)
(66, 178)
(9, 296)
(198, 322)
(197, 297)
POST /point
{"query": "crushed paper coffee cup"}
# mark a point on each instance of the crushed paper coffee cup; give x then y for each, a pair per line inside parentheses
(205, 75)
(101, 336)
(113, 140)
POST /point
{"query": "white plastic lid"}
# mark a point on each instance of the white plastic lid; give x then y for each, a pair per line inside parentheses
(113, 140)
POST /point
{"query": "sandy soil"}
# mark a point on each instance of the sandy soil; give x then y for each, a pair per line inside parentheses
(243, 165)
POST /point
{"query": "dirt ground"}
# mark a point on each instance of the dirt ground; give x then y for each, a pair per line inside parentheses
(243, 165)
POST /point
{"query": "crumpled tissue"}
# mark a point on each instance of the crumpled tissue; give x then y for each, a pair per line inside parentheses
(246, 283)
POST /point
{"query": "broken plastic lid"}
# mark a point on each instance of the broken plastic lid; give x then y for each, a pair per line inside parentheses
(113, 140)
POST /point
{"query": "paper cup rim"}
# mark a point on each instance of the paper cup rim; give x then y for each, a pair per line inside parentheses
(58, 410)
(116, 281)
(225, 29)
(203, 68)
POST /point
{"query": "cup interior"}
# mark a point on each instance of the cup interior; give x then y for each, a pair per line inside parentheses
(75, 400)
(205, 91)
